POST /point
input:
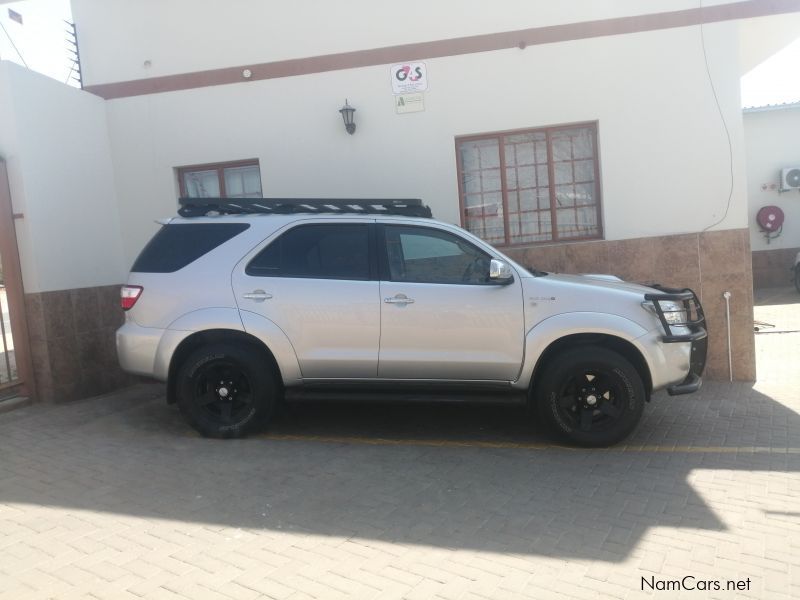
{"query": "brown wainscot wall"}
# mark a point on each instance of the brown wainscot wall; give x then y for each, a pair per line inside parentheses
(709, 263)
(773, 268)
(73, 344)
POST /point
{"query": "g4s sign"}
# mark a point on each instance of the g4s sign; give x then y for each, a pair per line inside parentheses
(409, 77)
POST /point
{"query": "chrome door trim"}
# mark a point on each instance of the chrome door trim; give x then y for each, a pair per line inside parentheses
(399, 299)
(257, 295)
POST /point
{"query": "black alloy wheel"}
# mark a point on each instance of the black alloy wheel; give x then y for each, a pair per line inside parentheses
(590, 400)
(226, 390)
(590, 396)
(222, 389)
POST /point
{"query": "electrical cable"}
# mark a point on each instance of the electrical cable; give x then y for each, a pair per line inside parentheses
(724, 124)
(13, 45)
(71, 71)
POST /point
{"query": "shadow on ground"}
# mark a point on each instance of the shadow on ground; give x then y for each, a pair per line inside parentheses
(131, 454)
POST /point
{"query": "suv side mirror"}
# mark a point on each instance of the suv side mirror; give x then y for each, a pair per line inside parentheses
(500, 272)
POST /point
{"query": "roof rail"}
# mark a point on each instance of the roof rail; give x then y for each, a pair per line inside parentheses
(200, 207)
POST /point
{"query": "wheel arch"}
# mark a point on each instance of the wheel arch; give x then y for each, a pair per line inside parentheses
(214, 336)
(617, 344)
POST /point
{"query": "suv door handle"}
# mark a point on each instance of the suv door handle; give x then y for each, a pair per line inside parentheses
(399, 299)
(257, 295)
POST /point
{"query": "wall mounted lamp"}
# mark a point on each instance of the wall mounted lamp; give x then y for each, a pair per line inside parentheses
(348, 113)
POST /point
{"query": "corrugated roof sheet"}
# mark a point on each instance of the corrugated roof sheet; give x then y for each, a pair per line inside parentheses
(765, 107)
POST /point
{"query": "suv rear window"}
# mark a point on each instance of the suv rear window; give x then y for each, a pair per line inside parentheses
(176, 246)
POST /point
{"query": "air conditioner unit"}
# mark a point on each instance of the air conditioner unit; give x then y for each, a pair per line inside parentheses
(790, 179)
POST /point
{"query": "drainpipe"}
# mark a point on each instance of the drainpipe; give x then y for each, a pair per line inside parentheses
(727, 295)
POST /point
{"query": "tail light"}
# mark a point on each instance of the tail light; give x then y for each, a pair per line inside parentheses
(129, 294)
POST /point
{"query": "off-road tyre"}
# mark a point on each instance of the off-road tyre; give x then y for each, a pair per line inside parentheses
(590, 396)
(226, 390)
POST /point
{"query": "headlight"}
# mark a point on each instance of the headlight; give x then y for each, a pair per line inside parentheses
(674, 312)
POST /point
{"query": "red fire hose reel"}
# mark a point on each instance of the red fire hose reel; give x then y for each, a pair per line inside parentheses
(770, 220)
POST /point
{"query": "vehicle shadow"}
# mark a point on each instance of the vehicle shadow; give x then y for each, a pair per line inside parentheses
(449, 476)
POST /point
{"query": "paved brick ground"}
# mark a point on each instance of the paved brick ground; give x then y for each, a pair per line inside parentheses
(115, 497)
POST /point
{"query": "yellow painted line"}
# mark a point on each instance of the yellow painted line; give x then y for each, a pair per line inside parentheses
(325, 439)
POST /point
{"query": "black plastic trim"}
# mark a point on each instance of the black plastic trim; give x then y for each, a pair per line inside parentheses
(201, 207)
(692, 383)
(691, 304)
(697, 336)
(691, 337)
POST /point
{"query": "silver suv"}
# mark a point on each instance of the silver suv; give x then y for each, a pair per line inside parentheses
(240, 304)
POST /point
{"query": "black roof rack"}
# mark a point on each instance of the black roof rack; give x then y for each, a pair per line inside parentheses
(200, 207)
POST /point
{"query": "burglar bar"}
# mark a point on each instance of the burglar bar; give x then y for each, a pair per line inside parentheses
(72, 40)
(5, 345)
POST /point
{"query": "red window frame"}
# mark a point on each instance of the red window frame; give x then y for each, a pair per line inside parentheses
(219, 168)
(548, 132)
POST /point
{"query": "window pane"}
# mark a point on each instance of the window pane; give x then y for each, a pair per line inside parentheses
(243, 182)
(562, 148)
(534, 226)
(565, 195)
(426, 246)
(542, 176)
(316, 251)
(511, 178)
(178, 245)
(422, 255)
(543, 197)
(482, 187)
(201, 184)
(490, 180)
(584, 170)
(527, 200)
(582, 145)
(577, 223)
(563, 172)
(584, 193)
(493, 217)
(527, 177)
(472, 182)
(473, 201)
(513, 202)
(542, 167)
(204, 182)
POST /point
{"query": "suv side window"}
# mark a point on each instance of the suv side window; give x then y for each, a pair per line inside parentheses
(177, 245)
(316, 252)
(426, 255)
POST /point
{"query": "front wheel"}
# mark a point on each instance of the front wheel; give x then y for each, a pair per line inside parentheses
(226, 390)
(591, 396)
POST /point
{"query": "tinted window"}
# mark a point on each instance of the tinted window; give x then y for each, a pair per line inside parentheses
(422, 255)
(177, 245)
(316, 251)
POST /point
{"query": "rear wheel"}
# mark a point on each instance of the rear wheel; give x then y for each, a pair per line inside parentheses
(225, 390)
(591, 396)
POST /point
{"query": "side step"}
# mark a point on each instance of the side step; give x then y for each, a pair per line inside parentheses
(337, 393)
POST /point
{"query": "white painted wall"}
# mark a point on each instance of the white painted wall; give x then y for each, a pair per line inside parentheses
(665, 161)
(55, 141)
(773, 142)
(762, 37)
(117, 36)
